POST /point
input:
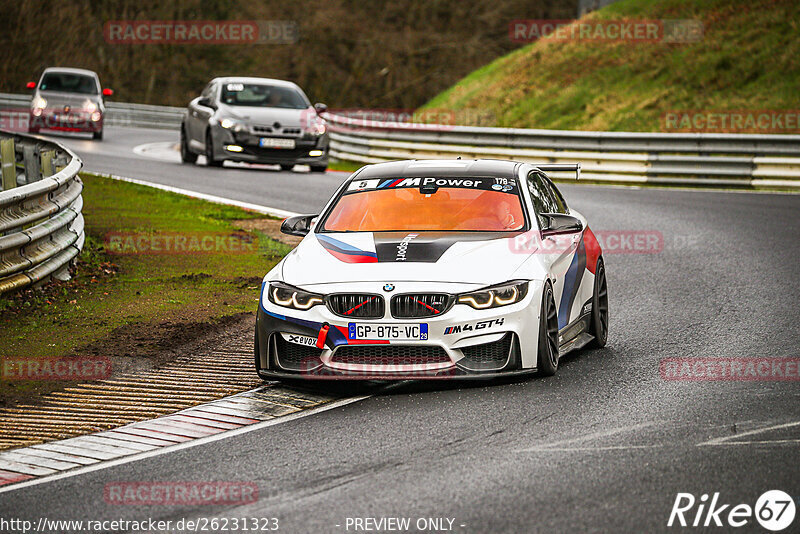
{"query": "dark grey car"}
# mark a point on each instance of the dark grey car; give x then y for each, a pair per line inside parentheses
(257, 120)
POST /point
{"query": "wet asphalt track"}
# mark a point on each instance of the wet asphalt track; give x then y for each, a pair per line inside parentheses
(604, 446)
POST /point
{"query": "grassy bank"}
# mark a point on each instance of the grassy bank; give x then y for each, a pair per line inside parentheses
(129, 301)
(747, 59)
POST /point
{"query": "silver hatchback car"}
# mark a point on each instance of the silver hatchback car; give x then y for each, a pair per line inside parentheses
(68, 99)
(256, 120)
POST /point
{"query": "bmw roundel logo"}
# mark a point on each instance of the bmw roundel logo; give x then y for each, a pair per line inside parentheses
(388, 287)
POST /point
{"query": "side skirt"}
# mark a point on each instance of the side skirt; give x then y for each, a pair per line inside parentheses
(575, 335)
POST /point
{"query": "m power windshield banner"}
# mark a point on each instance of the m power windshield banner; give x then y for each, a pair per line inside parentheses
(503, 185)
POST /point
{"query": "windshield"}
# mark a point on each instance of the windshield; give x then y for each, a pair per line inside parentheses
(69, 83)
(263, 96)
(433, 204)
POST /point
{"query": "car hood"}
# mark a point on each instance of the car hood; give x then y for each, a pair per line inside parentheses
(268, 116)
(462, 257)
(57, 99)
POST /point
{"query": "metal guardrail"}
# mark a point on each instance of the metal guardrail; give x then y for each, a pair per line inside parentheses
(117, 113)
(41, 225)
(613, 157)
(609, 157)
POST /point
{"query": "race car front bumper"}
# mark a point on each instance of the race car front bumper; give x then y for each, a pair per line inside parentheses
(461, 343)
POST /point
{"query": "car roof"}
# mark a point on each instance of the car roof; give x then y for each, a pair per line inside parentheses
(251, 79)
(440, 167)
(70, 70)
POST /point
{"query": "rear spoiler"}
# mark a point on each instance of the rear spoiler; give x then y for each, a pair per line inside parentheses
(565, 167)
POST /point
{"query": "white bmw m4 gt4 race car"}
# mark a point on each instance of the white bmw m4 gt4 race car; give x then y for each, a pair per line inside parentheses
(434, 269)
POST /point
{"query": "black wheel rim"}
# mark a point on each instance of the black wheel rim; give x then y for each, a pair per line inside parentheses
(602, 302)
(552, 329)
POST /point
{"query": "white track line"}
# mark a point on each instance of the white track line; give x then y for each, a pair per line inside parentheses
(728, 440)
(179, 446)
(275, 212)
(595, 435)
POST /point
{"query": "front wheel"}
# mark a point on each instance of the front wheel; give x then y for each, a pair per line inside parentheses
(319, 168)
(210, 161)
(547, 355)
(187, 156)
(599, 325)
(98, 135)
(287, 166)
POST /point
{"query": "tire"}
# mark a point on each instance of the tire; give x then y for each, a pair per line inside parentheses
(210, 161)
(319, 168)
(287, 166)
(547, 354)
(599, 323)
(187, 156)
(97, 136)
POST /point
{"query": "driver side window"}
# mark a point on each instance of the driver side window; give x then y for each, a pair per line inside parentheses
(540, 196)
(559, 203)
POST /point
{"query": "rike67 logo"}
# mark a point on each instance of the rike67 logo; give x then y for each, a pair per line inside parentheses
(774, 510)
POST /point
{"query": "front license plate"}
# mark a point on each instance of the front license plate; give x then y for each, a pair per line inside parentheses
(387, 332)
(275, 142)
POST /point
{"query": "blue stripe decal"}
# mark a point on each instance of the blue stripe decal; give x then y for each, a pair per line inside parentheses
(344, 248)
(566, 294)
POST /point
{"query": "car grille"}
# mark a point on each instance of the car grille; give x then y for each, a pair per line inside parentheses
(417, 305)
(270, 129)
(280, 154)
(487, 356)
(355, 305)
(391, 355)
(296, 357)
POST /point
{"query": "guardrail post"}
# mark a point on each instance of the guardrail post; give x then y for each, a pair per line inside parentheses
(32, 170)
(8, 160)
(47, 157)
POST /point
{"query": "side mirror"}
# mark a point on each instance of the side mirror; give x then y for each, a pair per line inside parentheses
(31, 85)
(559, 223)
(320, 107)
(108, 92)
(298, 225)
(206, 102)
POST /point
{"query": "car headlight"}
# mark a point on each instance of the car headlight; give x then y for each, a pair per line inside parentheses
(495, 296)
(39, 102)
(91, 107)
(316, 126)
(292, 297)
(231, 124)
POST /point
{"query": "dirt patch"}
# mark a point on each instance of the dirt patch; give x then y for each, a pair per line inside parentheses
(271, 228)
(133, 349)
